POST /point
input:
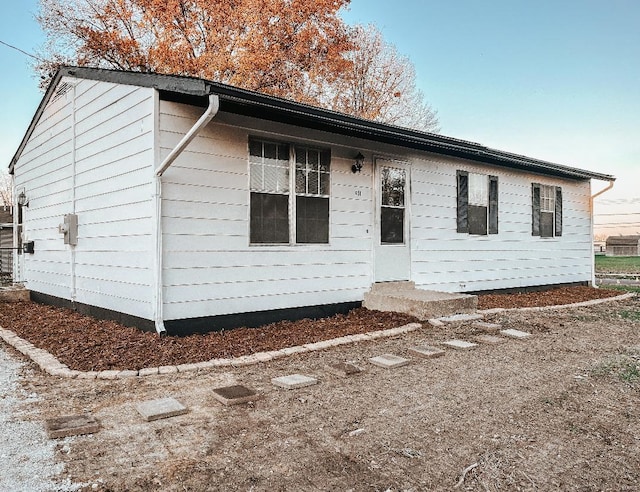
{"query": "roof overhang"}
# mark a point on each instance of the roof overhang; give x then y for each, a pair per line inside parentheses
(195, 91)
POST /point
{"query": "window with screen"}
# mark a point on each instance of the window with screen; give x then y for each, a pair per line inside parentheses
(290, 188)
(269, 175)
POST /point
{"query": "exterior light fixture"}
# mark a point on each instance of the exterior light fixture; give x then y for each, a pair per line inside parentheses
(23, 201)
(357, 167)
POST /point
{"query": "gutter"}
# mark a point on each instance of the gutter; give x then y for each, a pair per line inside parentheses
(207, 116)
(593, 258)
(607, 188)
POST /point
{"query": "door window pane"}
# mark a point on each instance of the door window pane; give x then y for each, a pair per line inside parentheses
(391, 225)
(393, 183)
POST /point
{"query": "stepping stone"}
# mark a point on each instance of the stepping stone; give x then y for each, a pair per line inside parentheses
(71, 425)
(235, 395)
(161, 408)
(490, 339)
(461, 317)
(460, 344)
(486, 327)
(294, 381)
(343, 369)
(389, 361)
(426, 351)
(515, 333)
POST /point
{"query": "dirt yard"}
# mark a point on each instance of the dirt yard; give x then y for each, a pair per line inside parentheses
(557, 411)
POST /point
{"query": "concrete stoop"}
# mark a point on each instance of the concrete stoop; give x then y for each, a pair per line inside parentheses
(14, 293)
(403, 297)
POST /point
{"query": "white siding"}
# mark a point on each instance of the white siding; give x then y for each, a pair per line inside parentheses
(45, 172)
(108, 141)
(209, 266)
(94, 155)
(443, 259)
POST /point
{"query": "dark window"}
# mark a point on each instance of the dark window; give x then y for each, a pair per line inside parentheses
(493, 205)
(312, 195)
(269, 209)
(391, 225)
(269, 218)
(270, 169)
(477, 220)
(312, 219)
(477, 203)
(546, 210)
(463, 202)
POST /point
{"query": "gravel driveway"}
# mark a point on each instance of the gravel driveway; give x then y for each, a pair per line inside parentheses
(26, 454)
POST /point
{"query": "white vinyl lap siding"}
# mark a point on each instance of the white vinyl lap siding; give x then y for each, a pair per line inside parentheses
(209, 266)
(113, 134)
(445, 260)
(95, 155)
(114, 188)
(44, 171)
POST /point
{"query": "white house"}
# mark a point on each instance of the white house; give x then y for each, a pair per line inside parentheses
(178, 202)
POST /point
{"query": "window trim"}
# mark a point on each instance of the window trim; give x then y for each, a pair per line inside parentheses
(324, 153)
(537, 210)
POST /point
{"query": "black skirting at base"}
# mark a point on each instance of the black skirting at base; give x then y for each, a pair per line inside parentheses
(188, 326)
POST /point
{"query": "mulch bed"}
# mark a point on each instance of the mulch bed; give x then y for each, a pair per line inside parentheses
(87, 344)
(550, 297)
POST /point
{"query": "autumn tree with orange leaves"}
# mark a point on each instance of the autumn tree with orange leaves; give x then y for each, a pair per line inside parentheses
(297, 49)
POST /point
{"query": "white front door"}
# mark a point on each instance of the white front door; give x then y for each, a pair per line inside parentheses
(392, 248)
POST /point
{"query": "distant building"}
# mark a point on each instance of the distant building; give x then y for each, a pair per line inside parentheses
(599, 247)
(623, 245)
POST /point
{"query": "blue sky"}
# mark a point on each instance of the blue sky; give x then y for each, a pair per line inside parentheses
(553, 79)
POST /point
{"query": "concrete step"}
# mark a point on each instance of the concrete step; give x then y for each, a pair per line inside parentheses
(14, 293)
(403, 297)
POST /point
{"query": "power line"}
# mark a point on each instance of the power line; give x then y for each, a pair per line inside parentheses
(612, 226)
(616, 215)
(21, 51)
(618, 201)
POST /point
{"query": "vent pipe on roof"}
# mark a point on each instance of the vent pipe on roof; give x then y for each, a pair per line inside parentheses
(207, 116)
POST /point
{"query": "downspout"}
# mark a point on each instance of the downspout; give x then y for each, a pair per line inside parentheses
(212, 109)
(593, 258)
(74, 138)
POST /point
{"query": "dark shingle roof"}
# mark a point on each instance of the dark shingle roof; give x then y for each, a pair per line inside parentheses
(194, 90)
